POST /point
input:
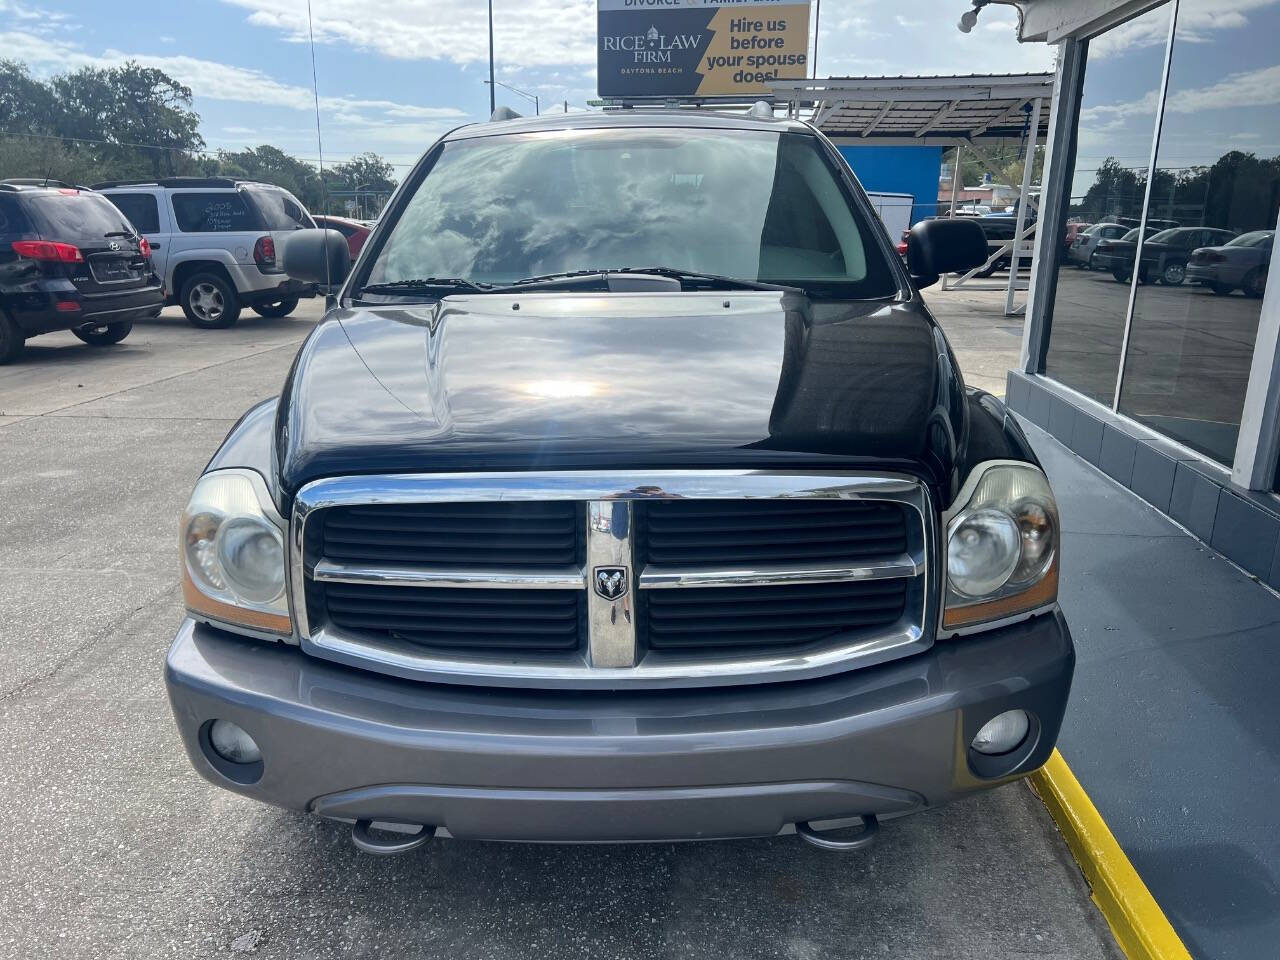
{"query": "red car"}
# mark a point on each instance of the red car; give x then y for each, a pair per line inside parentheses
(1072, 230)
(355, 231)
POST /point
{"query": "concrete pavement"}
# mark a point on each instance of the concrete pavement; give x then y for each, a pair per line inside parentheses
(110, 846)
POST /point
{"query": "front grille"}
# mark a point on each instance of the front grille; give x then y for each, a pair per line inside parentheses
(725, 532)
(528, 535)
(725, 577)
(726, 619)
(479, 621)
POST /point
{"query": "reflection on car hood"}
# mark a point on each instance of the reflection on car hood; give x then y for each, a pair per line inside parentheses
(565, 381)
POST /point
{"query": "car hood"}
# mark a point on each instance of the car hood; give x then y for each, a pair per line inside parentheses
(626, 381)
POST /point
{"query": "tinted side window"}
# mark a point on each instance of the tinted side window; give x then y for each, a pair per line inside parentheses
(279, 209)
(12, 220)
(224, 212)
(141, 209)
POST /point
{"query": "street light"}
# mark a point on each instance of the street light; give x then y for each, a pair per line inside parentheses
(531, 97)
(493, 105)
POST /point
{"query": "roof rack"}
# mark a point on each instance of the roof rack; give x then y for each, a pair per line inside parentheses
(16, 182)
(170, 182)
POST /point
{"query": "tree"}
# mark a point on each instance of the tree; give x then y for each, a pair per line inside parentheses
(139, 118)
(26, 104)
(1116, 191)
(272, 165)
(136, 122)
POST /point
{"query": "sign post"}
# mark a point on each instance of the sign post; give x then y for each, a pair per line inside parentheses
(696, 49)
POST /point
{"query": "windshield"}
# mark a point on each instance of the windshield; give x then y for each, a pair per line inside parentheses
(76, 218)
(1164, 236)
(280, 209)
(1258, 238)
(1131, 235)
(747, 205)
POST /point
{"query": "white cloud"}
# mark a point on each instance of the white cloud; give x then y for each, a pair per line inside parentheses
(1251, 89)
(544, 33)
(1196, 21)
(217, 81)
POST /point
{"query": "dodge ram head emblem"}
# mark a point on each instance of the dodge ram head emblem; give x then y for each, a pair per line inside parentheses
(611, 582)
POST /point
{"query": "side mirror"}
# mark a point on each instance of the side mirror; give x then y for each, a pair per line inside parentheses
(935, 247)
(317, 256)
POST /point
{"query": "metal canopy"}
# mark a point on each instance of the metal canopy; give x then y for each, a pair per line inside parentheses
(920, 110)
(958, 111)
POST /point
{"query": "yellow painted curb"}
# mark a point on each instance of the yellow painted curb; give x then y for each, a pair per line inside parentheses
(1137, 922)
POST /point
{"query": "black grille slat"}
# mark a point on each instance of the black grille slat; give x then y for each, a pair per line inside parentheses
(718, 623)
(718, 619)
(524, 534)
(709, 533)
(475, 620)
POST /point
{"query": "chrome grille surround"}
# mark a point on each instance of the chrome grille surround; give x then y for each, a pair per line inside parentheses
(610, 658)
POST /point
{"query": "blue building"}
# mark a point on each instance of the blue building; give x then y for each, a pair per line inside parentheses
(899, 169)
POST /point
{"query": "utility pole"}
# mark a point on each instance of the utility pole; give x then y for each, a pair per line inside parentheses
(817, 25)
(493, 90)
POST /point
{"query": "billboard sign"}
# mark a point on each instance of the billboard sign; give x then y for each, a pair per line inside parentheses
(699, 48)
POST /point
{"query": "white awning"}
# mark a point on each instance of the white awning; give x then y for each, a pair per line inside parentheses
(921, 110)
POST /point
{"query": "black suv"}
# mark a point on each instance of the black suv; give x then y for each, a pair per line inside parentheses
(629, 491)
(69, 260)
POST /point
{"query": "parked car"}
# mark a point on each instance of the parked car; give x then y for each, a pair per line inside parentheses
(1240, 263)
(69, 260)
(629, 511)
(1115, 256)
(1073, 229)
(1165, 254)
(1082, 247)
(214, 241)
(355, 231)
(1000, 229)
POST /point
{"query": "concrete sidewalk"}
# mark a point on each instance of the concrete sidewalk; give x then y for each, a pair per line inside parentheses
(1174, 723)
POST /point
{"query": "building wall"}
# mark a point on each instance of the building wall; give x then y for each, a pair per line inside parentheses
(1167, 376)
(912, 170)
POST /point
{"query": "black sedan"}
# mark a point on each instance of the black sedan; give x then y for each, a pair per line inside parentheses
(1165, 254)
(1239, 263)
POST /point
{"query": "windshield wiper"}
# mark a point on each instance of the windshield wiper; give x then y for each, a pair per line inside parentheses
(121, 233)
(428, 285)
(710, 280)
(691, 278)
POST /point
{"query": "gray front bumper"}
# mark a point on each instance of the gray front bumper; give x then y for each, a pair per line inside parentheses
(646, 765)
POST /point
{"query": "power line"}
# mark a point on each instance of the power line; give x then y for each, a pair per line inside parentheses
(194, 151)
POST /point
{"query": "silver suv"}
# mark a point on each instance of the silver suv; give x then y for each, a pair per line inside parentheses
(214, 243)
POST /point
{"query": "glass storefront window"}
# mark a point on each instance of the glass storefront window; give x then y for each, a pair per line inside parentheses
(1217, 186)
(1113, 152)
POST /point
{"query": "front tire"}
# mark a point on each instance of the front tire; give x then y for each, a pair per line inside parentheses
(1255, 283)
(280, 308)
(210, 302)
(105, 335)
(1221, 289)
(1121, 274)
(11, 340)
(1174, 273)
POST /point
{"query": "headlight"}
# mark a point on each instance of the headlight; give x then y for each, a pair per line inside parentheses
(1002, 545)
(233, 554)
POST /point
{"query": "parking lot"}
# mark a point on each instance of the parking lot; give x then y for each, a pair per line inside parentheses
(111, 846)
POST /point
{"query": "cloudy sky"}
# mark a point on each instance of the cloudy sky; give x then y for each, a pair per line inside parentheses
(393, 74)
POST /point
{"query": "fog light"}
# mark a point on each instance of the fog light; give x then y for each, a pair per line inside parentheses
(232, 744)
(1003, 733)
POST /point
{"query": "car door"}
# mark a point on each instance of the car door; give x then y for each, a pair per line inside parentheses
(145, 212)
(215, 220)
